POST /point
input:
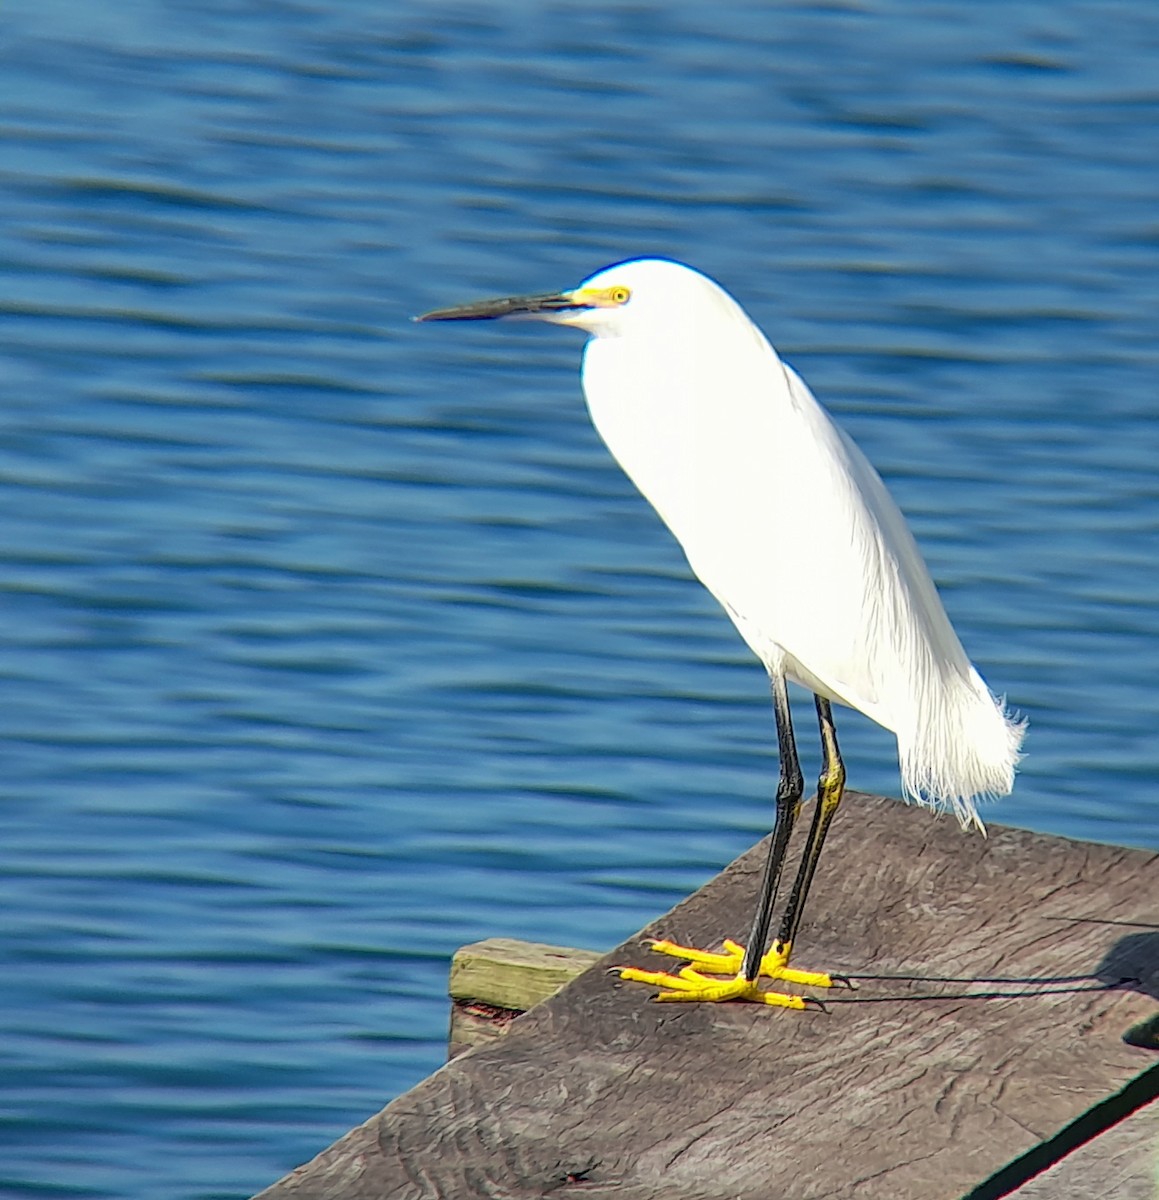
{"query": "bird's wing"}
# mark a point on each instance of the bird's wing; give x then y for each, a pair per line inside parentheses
(780, 515)
(828, 573)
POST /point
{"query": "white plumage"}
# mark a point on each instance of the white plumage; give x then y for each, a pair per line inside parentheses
(787, 523)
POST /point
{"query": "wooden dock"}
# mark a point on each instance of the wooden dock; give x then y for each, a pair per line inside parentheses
(1006, 1020)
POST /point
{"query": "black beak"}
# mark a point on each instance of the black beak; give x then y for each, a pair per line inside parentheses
(509, 306)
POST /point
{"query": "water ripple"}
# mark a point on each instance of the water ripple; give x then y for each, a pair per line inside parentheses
(311, 613)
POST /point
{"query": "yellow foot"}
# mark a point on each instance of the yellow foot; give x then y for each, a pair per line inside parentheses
(690, 984)
(774, 965)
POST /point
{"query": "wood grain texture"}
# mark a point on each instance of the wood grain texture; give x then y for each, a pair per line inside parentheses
(474, 1024)
(978, 1030)
(1123, 1164)
(495, 980)
(512, 974)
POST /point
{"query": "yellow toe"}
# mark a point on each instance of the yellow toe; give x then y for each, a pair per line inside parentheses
(728, 961)
(775, 965)
(690, 985)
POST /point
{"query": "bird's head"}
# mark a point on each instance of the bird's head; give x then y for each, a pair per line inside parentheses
(615, 301)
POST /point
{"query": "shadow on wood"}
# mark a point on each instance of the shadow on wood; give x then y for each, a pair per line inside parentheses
(987, 1021)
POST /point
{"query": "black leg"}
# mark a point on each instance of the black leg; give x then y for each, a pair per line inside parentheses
(830, 789)
(790, 786)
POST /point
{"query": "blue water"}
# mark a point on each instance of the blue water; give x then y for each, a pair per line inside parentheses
(331, 642)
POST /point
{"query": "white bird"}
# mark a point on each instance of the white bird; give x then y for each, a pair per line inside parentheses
(788, 525)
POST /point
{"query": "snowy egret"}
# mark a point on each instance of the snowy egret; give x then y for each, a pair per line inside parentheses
(788, 525)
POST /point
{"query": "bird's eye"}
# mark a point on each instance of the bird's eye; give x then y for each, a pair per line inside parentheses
(620, 294)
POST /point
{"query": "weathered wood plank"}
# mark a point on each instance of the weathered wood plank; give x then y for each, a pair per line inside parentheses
(978, 1030)
(1122, 1164)
(495, 980)
(513, 974)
